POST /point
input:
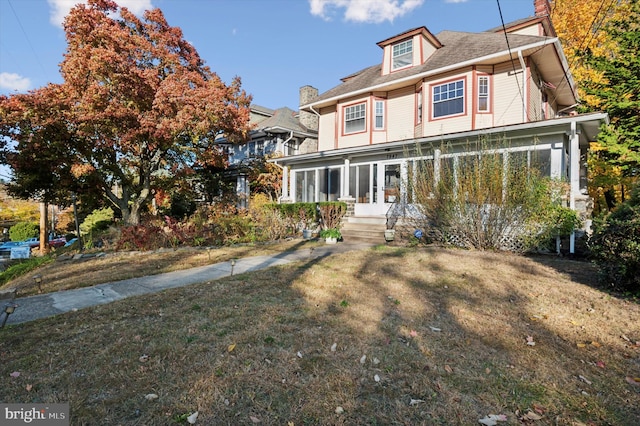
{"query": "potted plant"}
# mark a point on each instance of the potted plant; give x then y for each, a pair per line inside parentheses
(389, 234)
(331, 235)
(305, 217)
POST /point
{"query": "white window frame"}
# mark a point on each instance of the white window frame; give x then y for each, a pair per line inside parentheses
(450, 93)
(484, 93)
(378, 114)
(353, 114)
(402, 54)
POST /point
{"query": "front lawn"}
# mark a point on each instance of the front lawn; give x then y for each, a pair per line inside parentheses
(382, 336)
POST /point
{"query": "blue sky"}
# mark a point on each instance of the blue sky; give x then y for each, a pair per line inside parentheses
(275, 46)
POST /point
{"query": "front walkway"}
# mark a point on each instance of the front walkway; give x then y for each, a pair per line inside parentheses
(45, 305)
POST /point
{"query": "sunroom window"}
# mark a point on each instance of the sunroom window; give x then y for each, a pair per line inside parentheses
(448, 99)
(354, 118)
(402, 54)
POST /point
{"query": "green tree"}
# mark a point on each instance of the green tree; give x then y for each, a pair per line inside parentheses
(137, 104)
(23, 230)
(619, 94)
(615, 159)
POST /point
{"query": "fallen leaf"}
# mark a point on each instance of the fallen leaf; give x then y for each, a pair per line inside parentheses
(584, 379)
(531, 416)
(192, 418)
(581, 345)
(334, 347)
(487, 370)
(376, 361)
(376, 378)
(415, 401)
(254, 419)
(339, 410)
(530, 341)
(413, 333)
(299, 354)
(492, 419)
(144, 358)
(435, 329)
(635, 381)
(363, 359)
(151, 396)
(625, 338)
(231, 347)
(15, 374)
(448, 369)
(29, 387)
(539, 409)
(600, 364)
(595, 344)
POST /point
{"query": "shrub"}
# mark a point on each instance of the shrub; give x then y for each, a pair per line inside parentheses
(331, 213)
(23, 230)
(296, 216)
(615, 246)
(98, 220)
(479, 202)
(141, 237)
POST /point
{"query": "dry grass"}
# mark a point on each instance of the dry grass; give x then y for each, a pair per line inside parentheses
(67, 274)
(448, 328)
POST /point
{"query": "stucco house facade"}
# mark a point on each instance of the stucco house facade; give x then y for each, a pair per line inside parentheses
(510, 86)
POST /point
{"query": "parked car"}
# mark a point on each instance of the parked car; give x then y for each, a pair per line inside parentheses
(5, 248)
(58, 242)
(70, 242)
(31, 242)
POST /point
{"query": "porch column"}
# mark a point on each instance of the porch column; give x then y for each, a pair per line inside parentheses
(285, 185)
(345, 180)
(344, 190)
(574, 175)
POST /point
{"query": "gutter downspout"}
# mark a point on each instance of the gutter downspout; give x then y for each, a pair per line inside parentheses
(524, 82)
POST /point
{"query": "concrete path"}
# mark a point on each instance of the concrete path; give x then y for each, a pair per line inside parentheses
(45, 305)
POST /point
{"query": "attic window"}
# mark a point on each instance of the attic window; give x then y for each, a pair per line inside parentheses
(402, 54)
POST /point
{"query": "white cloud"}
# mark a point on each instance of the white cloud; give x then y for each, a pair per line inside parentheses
(60, 8)
(456, 1)
(368, 11)
(14, 82)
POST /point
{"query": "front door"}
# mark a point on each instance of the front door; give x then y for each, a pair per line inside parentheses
(377, 186)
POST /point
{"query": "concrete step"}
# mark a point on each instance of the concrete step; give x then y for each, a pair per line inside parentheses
(366, 231)
(373, 220)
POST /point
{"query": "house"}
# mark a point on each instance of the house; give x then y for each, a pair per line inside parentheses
(511, 85)
(275, 133)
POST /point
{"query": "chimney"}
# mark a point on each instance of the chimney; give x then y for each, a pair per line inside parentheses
(308, 119)
(542, 8)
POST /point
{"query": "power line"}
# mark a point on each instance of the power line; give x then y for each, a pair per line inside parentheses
(27, 38)
(515, 73)
(589, 35)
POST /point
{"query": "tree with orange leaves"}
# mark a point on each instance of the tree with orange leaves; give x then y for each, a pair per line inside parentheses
(137, 103)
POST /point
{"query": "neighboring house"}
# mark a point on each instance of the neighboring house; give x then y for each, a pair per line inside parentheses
(452, 88)
(275, 133)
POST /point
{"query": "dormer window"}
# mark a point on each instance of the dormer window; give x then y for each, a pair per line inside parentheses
(402, 54)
